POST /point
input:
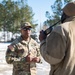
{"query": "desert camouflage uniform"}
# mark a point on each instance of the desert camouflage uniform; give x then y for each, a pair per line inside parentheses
(18, 54)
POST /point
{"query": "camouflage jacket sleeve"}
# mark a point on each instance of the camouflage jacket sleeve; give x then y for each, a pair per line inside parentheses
(38, 52)
(9, 56)
(11, 53)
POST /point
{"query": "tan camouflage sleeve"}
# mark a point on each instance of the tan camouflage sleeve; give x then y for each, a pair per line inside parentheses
(38, 52)
(11, 55)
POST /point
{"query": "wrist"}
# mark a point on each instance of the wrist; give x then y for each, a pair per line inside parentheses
(36, 59)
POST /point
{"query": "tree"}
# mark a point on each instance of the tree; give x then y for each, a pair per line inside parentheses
(57, 11)
(13, 13)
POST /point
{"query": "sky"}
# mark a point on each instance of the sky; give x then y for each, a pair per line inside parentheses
(39, 8)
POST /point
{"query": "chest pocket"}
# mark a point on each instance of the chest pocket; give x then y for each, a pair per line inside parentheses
(22, 50)
(33, 50)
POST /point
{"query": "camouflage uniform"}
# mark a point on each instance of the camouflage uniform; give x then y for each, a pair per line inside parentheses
(18, 54)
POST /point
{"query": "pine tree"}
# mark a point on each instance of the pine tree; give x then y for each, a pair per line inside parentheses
(57, 12)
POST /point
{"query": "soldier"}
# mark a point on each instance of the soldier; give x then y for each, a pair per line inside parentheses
(23, 52)
(58, 48)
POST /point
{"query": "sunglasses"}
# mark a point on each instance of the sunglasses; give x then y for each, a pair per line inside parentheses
(25, 29)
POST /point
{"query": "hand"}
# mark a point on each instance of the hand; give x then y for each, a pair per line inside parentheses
(36, 59)
(29, 58)
(42, 35)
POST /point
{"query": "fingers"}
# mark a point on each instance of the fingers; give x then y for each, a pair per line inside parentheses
(42, 35)
(29, 58)
(36, 59)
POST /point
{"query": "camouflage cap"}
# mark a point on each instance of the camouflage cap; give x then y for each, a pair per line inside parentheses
(26, 24)
(69, 9)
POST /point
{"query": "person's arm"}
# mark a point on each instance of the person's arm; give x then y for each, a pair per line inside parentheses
(37, 59)
(53, 48)
(11, 55)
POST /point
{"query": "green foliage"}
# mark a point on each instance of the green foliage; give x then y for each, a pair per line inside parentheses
(13, 13)
(57, 11)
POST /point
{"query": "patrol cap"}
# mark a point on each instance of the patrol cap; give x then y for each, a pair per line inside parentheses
(69, 9)
(25, 25)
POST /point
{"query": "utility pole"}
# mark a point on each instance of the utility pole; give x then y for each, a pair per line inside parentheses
(40, 21)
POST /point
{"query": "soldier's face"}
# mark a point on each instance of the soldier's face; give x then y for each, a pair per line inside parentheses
(26, 32)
